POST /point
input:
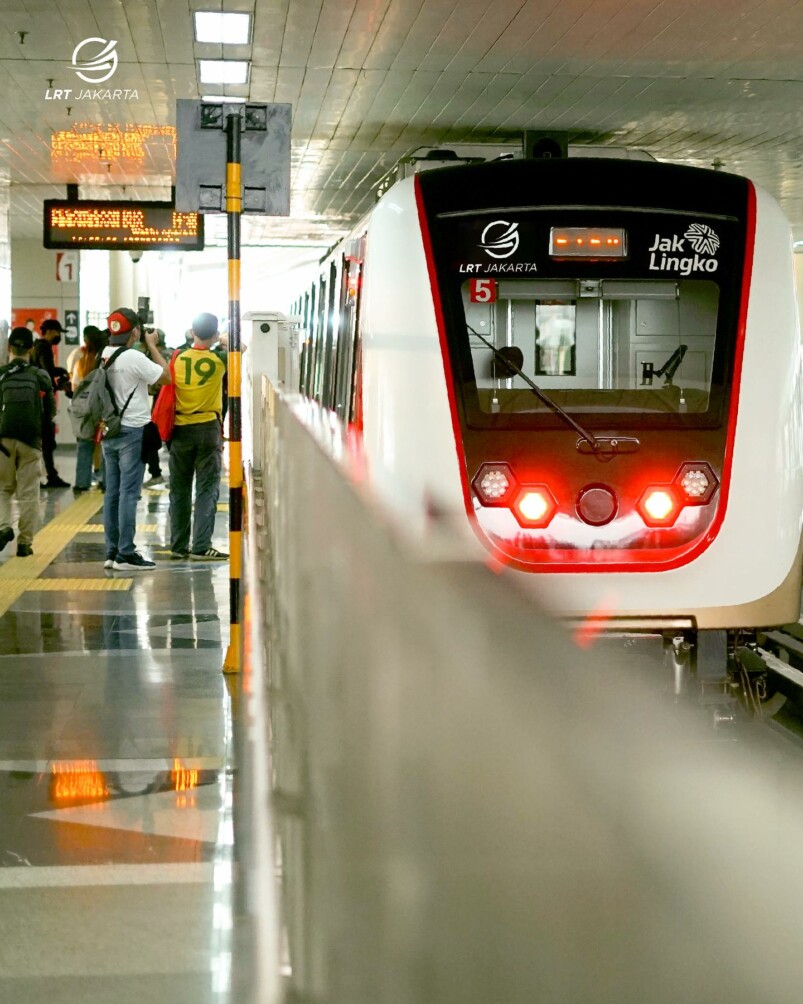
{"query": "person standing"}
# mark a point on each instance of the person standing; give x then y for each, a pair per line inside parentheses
(195, 449)
(129, 374)
(26, 394)
(81, 363)
(42, 356)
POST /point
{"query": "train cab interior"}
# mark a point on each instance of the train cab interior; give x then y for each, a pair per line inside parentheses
(600, 346)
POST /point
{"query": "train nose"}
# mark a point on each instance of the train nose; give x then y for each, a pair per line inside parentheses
(596, 505)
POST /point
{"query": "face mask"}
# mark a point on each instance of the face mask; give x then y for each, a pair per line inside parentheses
(56, 340)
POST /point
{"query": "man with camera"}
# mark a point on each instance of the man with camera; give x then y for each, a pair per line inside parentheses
(42, 356)
(129, 374)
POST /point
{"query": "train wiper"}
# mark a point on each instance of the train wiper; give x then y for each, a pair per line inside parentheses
(509, 364)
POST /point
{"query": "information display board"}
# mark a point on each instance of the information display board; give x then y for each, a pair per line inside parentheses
(120, 226)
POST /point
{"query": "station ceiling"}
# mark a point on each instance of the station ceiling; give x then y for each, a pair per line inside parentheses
(704, 82)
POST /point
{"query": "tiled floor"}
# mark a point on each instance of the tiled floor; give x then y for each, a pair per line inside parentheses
(116, 774)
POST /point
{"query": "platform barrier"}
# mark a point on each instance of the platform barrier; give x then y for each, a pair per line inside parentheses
(472, 809)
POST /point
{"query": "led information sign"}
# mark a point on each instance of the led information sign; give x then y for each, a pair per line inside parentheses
(121, 226)
(587, 242)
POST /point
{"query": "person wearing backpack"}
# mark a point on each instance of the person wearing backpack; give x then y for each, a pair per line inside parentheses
(26, 401)
(81, 363)
(42, 356)
(127, 375)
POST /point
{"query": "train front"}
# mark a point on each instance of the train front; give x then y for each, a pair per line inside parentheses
(622, 353)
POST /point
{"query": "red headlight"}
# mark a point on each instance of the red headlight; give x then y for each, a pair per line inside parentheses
(659, 505)
(535, 506)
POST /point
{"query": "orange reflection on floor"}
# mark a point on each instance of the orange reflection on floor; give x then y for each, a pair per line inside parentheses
(77, 781)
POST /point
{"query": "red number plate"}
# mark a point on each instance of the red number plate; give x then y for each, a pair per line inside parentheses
(482, 291)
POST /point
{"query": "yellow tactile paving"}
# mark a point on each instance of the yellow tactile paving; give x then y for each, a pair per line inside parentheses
(80, 585)
(17, 574)
(98, 528)
(223, 507)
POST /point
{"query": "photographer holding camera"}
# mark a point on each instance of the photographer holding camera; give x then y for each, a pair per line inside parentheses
(128, 377)
(42, 356)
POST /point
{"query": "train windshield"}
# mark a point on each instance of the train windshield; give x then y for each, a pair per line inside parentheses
(627, 352)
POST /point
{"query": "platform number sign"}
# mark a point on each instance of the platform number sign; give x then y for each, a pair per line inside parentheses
(482, 291)
(67, 266)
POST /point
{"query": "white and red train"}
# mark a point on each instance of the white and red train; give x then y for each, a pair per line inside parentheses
(597, 361)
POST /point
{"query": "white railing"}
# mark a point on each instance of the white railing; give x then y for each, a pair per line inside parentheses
(470, 808)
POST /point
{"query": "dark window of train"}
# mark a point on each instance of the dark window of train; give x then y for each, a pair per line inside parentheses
(318, 341)
(308, 349)
(326, 395)
(347, 337)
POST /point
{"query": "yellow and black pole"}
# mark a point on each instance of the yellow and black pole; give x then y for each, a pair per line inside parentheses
(234, 208)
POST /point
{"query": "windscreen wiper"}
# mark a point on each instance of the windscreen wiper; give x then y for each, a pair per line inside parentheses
(508, 363)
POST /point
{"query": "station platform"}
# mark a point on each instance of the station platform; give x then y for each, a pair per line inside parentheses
(116, 772)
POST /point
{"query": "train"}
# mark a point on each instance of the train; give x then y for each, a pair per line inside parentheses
(594, 361)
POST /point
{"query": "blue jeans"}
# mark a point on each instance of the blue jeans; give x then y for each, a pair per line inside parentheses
(122, 457)
(194, 453)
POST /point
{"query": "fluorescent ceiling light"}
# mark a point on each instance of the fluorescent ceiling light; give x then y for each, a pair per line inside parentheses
(224, 71)
(221, 99)
(228, 29)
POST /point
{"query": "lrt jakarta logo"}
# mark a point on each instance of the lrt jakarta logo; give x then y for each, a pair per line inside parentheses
(500, 244)
(704, 243)
(100, 64)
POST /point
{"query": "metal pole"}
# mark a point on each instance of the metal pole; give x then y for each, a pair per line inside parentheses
(234, 207)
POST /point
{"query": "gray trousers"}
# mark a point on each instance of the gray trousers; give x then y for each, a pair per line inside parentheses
(19, 474)
(194, 454)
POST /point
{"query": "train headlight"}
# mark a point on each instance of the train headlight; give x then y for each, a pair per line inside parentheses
(658, 506)
(535, 506)
(696, 482)
(495, 484)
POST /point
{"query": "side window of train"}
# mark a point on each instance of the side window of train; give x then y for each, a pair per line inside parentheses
(347, 336)
(329, 333)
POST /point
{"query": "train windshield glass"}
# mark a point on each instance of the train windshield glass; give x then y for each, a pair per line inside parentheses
(633, 351)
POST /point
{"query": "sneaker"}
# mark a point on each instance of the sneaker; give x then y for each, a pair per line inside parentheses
(110, 560)
(179, 555)
(24, 550)
(157, 480)
(56, 482)
(132, 562)
(211, 555)
(6, 536)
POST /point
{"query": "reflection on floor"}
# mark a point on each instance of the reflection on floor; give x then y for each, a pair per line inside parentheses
(115, 771)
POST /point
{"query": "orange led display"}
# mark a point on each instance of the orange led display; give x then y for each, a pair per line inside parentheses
(124, 145)
(121, 226)
(587, 242)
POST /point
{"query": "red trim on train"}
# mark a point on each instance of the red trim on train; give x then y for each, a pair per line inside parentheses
(564, 559)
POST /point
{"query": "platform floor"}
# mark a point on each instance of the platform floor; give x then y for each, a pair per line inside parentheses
(116, 772)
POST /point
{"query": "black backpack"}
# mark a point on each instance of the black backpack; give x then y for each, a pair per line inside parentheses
(20, 403)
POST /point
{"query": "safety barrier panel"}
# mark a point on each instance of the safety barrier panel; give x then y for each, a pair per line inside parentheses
(472, 809)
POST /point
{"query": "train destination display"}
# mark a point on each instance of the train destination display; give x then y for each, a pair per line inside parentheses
(120, 226)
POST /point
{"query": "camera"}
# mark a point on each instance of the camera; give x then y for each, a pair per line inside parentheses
(145, 315)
